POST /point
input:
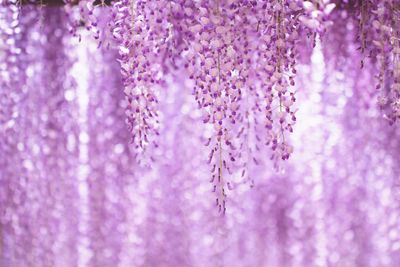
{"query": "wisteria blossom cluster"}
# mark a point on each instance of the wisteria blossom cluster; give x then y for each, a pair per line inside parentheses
(241, 58)
(375, 28)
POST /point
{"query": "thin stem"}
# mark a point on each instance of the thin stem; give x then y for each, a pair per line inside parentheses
(220, 161)
(279, 32)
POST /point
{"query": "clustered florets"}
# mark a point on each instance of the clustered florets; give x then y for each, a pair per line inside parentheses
(241, 57)
(140, 48)
(382, 44)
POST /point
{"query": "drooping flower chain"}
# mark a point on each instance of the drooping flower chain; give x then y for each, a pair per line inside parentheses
(223, 46)
(242, 58)
(140, 49)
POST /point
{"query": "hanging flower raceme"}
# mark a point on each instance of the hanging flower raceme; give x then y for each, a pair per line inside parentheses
(277, 66)
(385, 22)
(141, 36)
(378, 41)
(82, 16)
(211, 62)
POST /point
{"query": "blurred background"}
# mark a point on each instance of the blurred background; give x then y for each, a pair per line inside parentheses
(73, 194)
